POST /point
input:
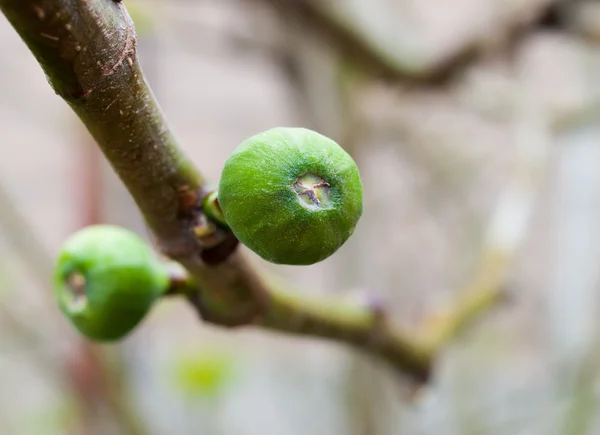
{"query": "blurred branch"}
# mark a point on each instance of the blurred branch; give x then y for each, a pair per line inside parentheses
(355, 47)
(87, 49)
(507, 227)
(484, 290)
(319, 19)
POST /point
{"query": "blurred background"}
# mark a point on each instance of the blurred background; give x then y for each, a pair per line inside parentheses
(476, 127)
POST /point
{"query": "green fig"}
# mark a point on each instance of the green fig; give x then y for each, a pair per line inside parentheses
(106, 280)
(291, 195)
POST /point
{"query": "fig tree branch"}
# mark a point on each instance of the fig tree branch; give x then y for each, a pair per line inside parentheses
(87, 49)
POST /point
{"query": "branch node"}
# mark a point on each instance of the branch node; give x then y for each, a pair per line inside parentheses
(207, 314)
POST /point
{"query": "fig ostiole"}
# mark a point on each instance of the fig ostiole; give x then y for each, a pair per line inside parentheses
(291, 195)
(106, 280)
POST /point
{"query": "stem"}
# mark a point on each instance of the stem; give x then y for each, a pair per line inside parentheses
(180, 282)
(87, 49)
(213, 210)
(363, 325)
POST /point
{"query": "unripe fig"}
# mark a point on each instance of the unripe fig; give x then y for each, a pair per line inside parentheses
(106, 280)
(291, 195)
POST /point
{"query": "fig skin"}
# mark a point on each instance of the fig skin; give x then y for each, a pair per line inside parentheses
(106, 280)
(291, 195)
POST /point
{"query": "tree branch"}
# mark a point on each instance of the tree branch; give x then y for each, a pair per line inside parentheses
(365, 325)
(87, 49)
(373, 57)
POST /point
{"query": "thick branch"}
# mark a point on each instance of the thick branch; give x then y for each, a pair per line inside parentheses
(88, 52)
(87, 49)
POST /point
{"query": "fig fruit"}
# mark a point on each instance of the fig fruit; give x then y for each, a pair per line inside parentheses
(105, 281)
(291, 195)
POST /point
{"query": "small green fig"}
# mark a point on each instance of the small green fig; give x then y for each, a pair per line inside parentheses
(105, 281)
(291, 195)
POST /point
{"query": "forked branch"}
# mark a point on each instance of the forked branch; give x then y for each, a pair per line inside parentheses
(87, 49)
